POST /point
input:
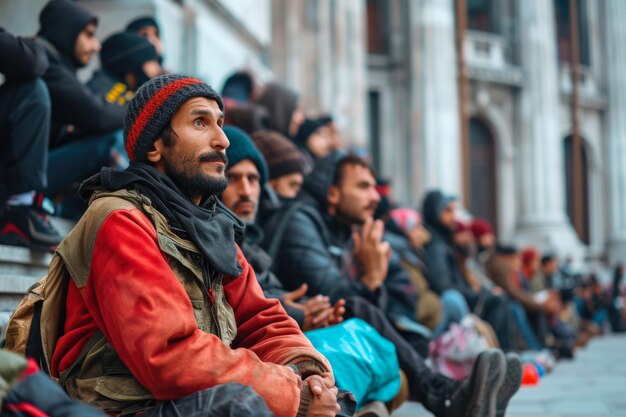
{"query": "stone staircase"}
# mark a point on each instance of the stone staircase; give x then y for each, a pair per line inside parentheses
(20, 268)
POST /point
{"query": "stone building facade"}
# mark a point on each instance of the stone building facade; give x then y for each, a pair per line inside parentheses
(387, 70)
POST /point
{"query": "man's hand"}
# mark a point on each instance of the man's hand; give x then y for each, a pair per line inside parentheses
(317, 310)
(372, 253)
(292, 297)
(338, 311)
(324, 402)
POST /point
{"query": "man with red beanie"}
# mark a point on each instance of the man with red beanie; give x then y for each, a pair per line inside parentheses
(164, 316)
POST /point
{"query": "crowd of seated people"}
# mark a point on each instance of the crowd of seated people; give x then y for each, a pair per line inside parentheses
(234, 247)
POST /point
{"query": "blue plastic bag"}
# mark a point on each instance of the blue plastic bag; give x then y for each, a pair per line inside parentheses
(363, 361)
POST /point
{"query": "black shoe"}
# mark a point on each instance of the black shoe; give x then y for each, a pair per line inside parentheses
(476, 395)
(28, 226)
(512, 382)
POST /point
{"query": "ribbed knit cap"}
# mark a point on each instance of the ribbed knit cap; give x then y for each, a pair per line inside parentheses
(281, 155)
(242, 148)
(154, 105)
(125, 52)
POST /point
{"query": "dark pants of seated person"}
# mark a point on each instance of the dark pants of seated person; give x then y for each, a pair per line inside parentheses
(229, 400)
(419, 376)
(24, 132)
(76, 161)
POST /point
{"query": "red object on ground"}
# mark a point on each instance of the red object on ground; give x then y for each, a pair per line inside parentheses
(530, 376)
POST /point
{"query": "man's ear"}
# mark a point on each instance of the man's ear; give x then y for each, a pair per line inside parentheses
(333, 195)
(155, 154)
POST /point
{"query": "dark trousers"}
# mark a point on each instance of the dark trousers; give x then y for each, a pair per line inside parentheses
(76, 161)
(24, 133)
(419, 376)
(228, 400)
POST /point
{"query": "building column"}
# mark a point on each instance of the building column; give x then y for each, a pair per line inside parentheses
(615, 38)
(319, 48)
(436, 89)
(543, 221)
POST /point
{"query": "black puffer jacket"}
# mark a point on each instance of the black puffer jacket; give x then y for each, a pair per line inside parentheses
(261, 262)
(316, 249)
(72, 102)
(442, 271)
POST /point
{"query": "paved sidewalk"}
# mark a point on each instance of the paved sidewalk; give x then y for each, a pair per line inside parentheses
(592, 385)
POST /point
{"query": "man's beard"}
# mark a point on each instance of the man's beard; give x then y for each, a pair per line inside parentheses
(195, 184)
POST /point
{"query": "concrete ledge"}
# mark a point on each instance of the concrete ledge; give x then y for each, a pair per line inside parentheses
(24, 256)
(15, 284)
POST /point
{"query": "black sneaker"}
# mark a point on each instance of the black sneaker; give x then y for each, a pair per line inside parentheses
(511, 383)
(476, 395)
(28, 226)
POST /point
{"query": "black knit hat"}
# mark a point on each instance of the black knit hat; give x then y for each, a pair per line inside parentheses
(307, 129)
(153, 106)
(242, 148)
(282, 156)
(142, 22)
(126, 52)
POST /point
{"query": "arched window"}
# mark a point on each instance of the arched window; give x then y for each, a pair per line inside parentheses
(570, 181)
(483, 186)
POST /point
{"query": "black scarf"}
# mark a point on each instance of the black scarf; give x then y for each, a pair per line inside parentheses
(210, 225)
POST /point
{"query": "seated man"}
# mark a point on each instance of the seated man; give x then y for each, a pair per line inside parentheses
(85, 132)
(444, 271)
(163, 312)
(24, 130)
(477, 396)
(128, 61)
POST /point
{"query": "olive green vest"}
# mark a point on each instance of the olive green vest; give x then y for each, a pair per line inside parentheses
(101, 379)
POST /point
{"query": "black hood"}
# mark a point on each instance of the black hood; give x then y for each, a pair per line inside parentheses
(317, 183)
(434, 203)
(60, 22)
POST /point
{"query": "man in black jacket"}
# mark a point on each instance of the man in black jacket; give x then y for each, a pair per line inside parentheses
(476, 396)
(24, 130)
(443, 271)
(80, 118)
(319, 248)
(128, 60)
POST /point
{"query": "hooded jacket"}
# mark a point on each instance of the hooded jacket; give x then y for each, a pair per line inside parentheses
(21, 58)
(280, 102)
(442, 270)
(61, 21)
(316, 249)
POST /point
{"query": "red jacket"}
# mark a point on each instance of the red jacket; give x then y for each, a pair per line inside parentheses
(145, 314)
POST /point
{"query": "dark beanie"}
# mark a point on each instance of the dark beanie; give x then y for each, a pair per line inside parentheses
(239, 87)
(307, 129)
(282, 156)
(153, 106)
(142, 22)
(60, 22)
(241, 148)
(126, 52)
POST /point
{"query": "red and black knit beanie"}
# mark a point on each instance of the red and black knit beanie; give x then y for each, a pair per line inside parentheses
(154, 105)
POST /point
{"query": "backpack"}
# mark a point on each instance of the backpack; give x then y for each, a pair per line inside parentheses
(23, 336)
(37, 322)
